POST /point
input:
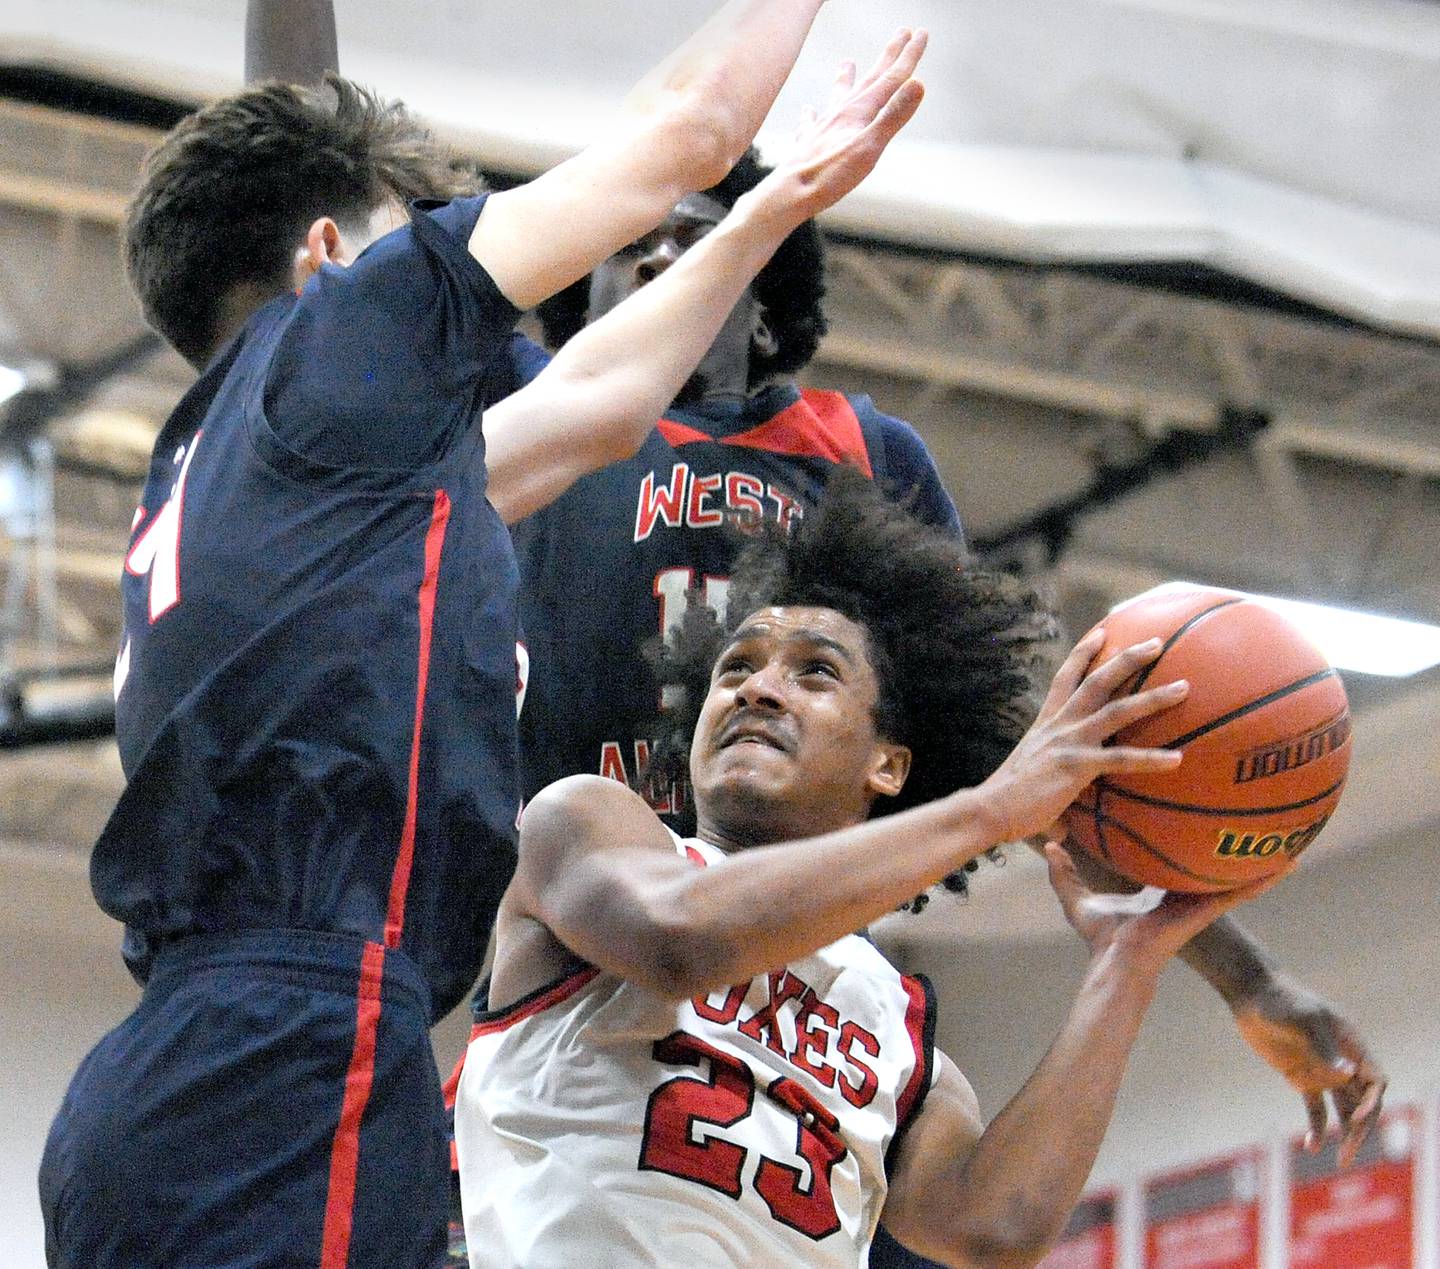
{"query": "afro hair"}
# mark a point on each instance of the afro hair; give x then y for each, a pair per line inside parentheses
(961, 652)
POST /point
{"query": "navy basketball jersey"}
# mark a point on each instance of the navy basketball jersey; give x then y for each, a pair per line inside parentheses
(609, 565)
(315, 696)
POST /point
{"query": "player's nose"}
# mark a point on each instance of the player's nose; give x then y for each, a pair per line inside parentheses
(655, 261)
(763, 687)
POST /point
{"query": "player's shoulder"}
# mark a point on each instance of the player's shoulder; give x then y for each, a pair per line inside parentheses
(575, 794)
(579, 807)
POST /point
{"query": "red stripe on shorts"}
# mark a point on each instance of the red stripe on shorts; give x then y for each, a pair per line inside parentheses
(345, 1149)
(400, 878)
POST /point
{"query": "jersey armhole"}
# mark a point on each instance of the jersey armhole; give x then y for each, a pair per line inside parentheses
(920, 1027)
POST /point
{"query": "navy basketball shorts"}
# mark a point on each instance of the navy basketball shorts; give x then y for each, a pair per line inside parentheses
(273, 1101)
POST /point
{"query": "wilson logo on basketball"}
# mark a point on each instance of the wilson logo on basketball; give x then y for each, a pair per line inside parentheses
(1297, 751)
(1241, 845)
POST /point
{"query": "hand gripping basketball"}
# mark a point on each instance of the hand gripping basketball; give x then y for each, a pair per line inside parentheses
(1065, 748)
(1265, 731)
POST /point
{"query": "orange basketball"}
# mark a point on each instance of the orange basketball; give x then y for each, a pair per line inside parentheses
(1265, 732)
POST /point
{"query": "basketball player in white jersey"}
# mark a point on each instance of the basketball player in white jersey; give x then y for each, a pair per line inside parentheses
(689, 1059)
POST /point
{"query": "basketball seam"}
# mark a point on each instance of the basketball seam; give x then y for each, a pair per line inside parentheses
(1159, 854)
(1144, 676)
(1195, 809)
(1100, 787)
(1179, 742)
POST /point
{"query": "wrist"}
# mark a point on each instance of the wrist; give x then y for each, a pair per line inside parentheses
(1118, 962)
(975, 821)
(770, 210)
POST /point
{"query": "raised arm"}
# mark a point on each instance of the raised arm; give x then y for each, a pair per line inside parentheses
(600, 397)
(1299, 1033)
(682, 129)
(1001, 1197)
(290, 40)
(598, 870)
(1303, 1036)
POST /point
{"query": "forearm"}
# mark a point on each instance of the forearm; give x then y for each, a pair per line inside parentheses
(599, 398)
(683, 129)
(681, 930)
(1006, 1201)
(290, 40)
(1230, 960)
(720, 84)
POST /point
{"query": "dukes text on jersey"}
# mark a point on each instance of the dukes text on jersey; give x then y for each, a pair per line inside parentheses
(795, 1024)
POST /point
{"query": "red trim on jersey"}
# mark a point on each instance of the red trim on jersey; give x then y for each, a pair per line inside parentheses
(535, 1002)
(679, 434)
(450, 1091)
(818, 425)
(404, 860)
(695, 857)
(345, 1148)
(920, 1026)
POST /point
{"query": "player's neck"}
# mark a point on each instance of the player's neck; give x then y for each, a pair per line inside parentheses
(239, 305)
(700, 394)
(736, 835)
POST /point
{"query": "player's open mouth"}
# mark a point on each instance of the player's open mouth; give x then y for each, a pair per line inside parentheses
(749, 733)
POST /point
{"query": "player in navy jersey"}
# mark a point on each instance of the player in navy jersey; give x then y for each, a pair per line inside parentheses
(316, 690)
(740, 438)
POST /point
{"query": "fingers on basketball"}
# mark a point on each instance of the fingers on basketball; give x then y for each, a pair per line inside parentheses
(1265, 734)
(1072, 671)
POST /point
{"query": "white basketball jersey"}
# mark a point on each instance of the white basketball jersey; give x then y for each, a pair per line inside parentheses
(599, 1125)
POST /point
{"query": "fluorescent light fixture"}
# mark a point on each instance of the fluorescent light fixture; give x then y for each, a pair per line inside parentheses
(1364, 642)
(11, 382)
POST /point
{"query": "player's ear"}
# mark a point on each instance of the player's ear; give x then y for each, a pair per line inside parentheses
(762, 338)
(322, 245)
(889, 769)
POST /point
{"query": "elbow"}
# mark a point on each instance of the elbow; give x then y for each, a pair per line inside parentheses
(1019, 1241)
(615, 445)
(706, 139)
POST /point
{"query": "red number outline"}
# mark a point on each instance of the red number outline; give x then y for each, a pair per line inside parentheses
(818, 1142)
(722, 1101)
(677, 1105)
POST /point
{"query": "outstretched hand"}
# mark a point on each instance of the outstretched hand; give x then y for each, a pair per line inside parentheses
(836, 149)
(1320, 1055)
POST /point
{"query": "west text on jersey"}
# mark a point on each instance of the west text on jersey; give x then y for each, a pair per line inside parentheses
(694, 501)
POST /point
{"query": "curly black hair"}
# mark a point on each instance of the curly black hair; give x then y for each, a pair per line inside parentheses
(790, 288)
(227, 196)
(961, 653)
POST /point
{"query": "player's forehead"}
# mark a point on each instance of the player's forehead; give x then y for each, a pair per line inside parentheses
(804, 626)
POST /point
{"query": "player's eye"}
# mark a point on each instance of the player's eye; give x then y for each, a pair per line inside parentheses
(732, 666)
(823, 668)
